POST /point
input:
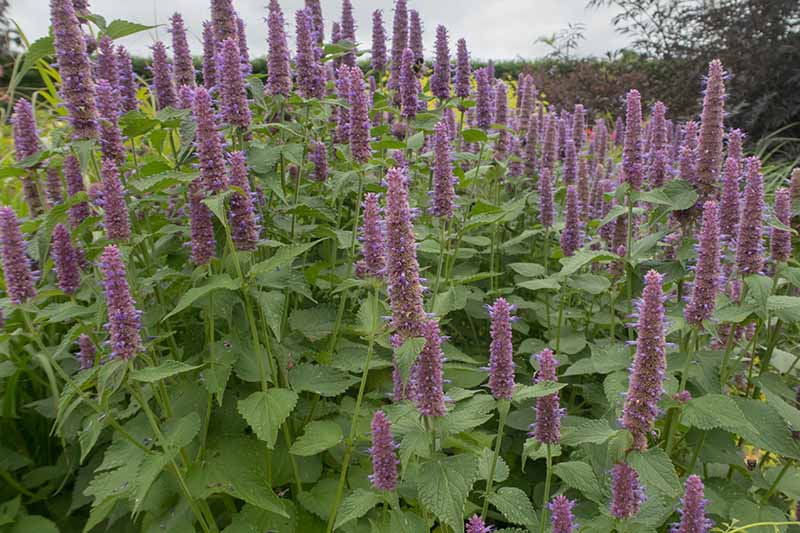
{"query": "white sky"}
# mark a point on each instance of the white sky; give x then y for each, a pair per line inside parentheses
(494, 29)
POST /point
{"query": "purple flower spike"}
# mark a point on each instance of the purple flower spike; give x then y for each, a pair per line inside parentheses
(342, 133)
(549, 145)
(619, 131)
(476, 525)
(562, 519)
(531, 158)
(319, 157)
(427, 372)
(233, 94)
(242, 216)
(359, 117)
(223, 16)
(409, 86)
(310, 75)
(692, 510)
(115, 210)
(781, 240)
(440, 80)
(501, 358)
(16, 265)
(74, 180)
(503, 143)
(77, 87)
(244, 52)
(181, 55)
(348, 31)
(127, 81)
(279, 75)
(570, 162)
(26, 136)
(163, 84)
(735, 141)
(709, 149)
(443, 194)
(204, 245)
(658, 127)
(124, 320)
(483, 105)
(649, 363)
(707, 272)
(384, 456)
(415, 35)
(111, 141)
(378, 42)
(402, 267)
(210, 56)
(572, 235)
(65, 258)
(547, 210)
(399, 42)
(463, 71)
(372, 244)
(208, 143)
(632, 171)
(86, 351)
(319, 23)
(53, 187)
(749, 245)
(107, 62)
(547, 428)
(579, 126)
(627, 495)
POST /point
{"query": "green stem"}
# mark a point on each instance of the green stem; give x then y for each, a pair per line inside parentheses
(351, 439)
(546, 497)
(774, 485)
(442, 248)
(674, 415)
(503, 407)
(560, 319)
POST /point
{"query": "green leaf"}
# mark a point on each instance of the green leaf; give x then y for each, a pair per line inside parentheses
(580, 476)
(122, 28)
(93, 425)
(235, 465)
(266, 411)
(529, 270)
(356, 505)
(759, 288)
(586, 431)
(713, 411)
(485, 464)
(474, 135)
(217, 282)
(406, 354)
(166, 369)
(370, 318)
(787, 308)
(320, 435)
(9, 510)
(314, 323)
(515, 506)
(678, 194)
(790, 414)
(747, 512)
(323, 380)
(31, 523)
(282, 257)
(416, 141)
(136, 123)
(655, 470)
(163, 180)
(582, 257)
(763, 427)
(591, 283)
(467, 415)
(540, 284)
(443, 486)
(544, 388)
(39, 49)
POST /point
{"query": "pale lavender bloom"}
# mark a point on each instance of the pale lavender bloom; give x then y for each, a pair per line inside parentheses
(279, 73)
(223, 16)
(561, 514)
(53, 187)
(115, 210)
(348, 31)
(632, 171)
(65, 259)
(570, 162)
(106, 62)
(415, 35)
(692, 509)
(443, 194)
(572, 234)
(319, 24)
(342, 114)
(749, 244)
(409, 86)
(549, 145)
(502, 145)
(626, 492)
(579, 126)
(427, 372)
(781, 240)
(233, 94)
(242, 215)
(384, 455)
(399, 42)
(74, 179)
(210, 56)
(463, 70)
(476, 525)
(707, 272)
(319, 157)
(373, 248)
(709, 148)
(649, 364)
(547, 210)
(547, 428)
(86, 351)
(310, 75)
(26, 136)
(127, 81)
(111, 141)
(124, 320)
(203, 243)
(208, 143)
(16, 264)
(440, 80)
(244, 52)
(181, 55)
(359, 118)
(501, 351)
(378, 42)
(483, 105)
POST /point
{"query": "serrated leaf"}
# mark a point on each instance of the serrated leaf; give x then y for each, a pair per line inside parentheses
(370, 318)
(655, 470)
(467, 415)
(540, 284)
(122, 28)
(787, 308)
(580, 476)
(583, 257)
(713, 411)
(319, 436)
(356, 505)
(415, 142)
(529, 270)
(763, 427)
(166, 369)
(163, 180)
(282, 257)
(544, 388)
(485, 464)
(515, 506)
(474, 135)
(443, 486)
(266, 411)
(214, 283)
(324, 380)
(314, 323)
(586, 431)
